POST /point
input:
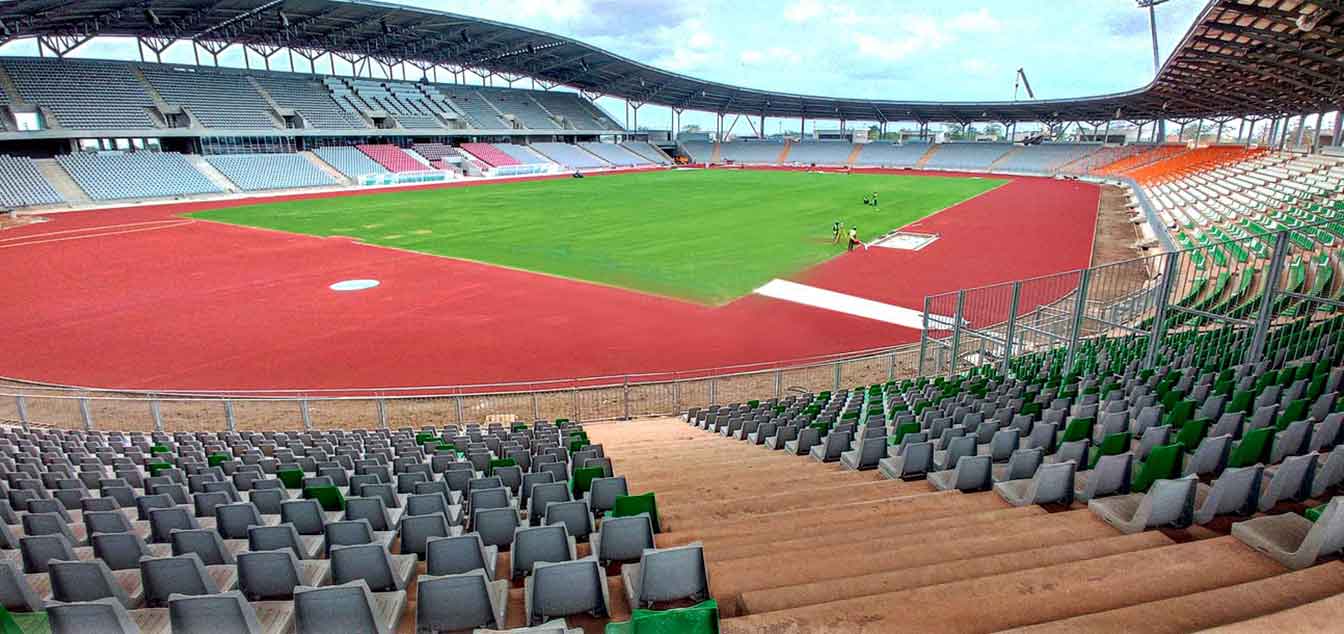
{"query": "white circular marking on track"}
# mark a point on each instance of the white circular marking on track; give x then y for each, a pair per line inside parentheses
(354, 285)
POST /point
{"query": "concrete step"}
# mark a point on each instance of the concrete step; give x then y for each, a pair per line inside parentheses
(61, 181)
(215, 176)
(1028, 597)
(761, 601)
(1324, 615)
(944, 501)
(790, 499)
(840, 561)
(329, 170)
(1256, 603)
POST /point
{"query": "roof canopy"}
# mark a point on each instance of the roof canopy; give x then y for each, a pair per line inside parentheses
(1241, 58)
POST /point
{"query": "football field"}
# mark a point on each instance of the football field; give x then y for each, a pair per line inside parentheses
(707, 236)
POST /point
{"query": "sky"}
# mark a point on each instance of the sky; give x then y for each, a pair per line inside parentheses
(887, 49)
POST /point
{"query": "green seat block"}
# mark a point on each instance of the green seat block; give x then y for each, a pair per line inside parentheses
(905, 428)
(1078, 429)
(1163, 463)
(1192, 433)
(424, 437)
(576, 444)
(1242, 401)
(629, 505)
(219, 458)
(1296, 410)
(1179, 413)
(1111, 445)
(701, 618)
(154, 468)
(499, 462)
(1314, 513)
(583, 480)
(518, 427)
(293, 478)
(753, 404)
(561, 420)
(327, 495)
(445, 446)
(23, 622)
(1254, 447)
(159, 449)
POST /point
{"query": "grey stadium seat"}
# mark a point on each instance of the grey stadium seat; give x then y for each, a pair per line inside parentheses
(1293, 540)
(1167, 503)
(667, 574)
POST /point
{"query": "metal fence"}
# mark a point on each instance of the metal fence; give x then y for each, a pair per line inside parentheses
(1243, 290)
(594, 398)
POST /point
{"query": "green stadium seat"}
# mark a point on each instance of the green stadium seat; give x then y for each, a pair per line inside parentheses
(327, 495)
(293, 478)
(701, 618)
(1163, 463)
(628, 505)
(1253, 448)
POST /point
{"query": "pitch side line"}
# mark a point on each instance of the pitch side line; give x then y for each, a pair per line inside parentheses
(848, 304)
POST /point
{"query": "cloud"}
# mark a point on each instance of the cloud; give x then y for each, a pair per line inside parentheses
(974, 66)
(804, 10)
(773, 55)
(917, 33)
(701, 40)
(975, 22)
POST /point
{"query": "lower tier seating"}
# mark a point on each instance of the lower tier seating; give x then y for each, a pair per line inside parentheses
(111, 176)
(256, 172)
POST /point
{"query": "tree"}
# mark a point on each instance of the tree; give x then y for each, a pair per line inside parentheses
(690, 127)
(994, 130)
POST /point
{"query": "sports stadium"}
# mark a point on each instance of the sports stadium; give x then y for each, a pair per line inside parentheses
(416, 335)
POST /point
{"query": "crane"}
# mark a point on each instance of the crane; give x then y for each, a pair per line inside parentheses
(1021, 82)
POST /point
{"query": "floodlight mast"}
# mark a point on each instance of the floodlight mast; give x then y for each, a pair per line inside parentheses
(1157, 64)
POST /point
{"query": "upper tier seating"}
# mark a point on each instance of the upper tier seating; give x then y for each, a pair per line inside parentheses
(311, 100)
(520, 104)
(83, 95)
(256, 172)
(751, 151)
(570, 156)
(967, 155)
(1109, 155)
(217, 99)
(820, 152)
(577, 112)
(393, 158)
(879, 154)
(477, 111)
(615, 154)
(490, 155)
(1044, 158)
(22, 185)
(401, 100)
(1132, 161)
(349, 161)
(648, 152)
(111, 176)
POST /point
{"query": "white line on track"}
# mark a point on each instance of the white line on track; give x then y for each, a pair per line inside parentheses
(850, 305)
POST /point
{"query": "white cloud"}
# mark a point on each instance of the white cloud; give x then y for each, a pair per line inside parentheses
(773, 55)
(918, 33)
(804, 10)
(976, 66)
(684, 59)
(975, 22)
(701, 40)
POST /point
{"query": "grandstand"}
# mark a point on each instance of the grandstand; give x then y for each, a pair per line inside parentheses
(312, 353)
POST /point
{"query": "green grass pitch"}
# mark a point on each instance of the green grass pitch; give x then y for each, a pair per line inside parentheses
(703, 235)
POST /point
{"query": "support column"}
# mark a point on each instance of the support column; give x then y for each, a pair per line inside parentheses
(1241, 128)
(1301, 129)
(1316, 133)
(1339, 121)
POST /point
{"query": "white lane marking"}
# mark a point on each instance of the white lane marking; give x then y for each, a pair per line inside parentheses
(848, 304)
(354, 285)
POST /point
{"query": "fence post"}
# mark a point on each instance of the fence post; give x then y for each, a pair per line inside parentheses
(84, 413)
(779, 383)
(1160, 310)
(457, 404)
(1079, 317)
(1011, 330)
(713, 388)
(956, 332)
(229, 422)
(1262, 321)
(536, 407)
(157, 414)
(891, 367)
(837, 376)
(923, 338)
(676, 395)
(307, 419)
(23, 409)
(625, 396)
(382, 413)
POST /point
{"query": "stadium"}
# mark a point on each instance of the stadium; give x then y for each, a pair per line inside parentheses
(396, 326)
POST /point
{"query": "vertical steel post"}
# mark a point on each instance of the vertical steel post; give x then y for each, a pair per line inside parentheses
(1160, 311)
(891, 368)
(22, 404)
(158, 415)
(923, 339)
(1011, 331)
(956, 331)
(1079, 317)
(457, 404)
(713, 388)
(779, 383)
(536, 407)
(84, 413)
(382, 413)
(1266, 315)
(574, 400)
(229, 422)
(625, 396)
(307, 418)
(837, 376)
(676, 395)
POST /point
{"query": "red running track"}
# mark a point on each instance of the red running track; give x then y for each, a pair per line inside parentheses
(139, 298)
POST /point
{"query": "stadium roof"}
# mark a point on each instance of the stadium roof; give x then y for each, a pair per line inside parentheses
(1241, 58)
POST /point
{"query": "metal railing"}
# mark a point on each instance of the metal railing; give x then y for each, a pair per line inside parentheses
(1244, 290)
(592, 398)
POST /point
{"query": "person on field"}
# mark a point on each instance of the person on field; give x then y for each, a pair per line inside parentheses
(836, 228)
(874, 199)
(854, 239)
(867, 201)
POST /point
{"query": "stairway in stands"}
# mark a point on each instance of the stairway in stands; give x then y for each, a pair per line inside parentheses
(61, 181)
(924, 160)
(798, 546)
